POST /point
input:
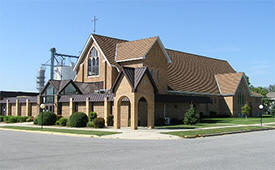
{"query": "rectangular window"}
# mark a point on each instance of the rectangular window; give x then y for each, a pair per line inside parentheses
(152, 73)
(158, 75)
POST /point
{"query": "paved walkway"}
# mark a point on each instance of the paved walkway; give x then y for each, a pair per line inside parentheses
(126, 133)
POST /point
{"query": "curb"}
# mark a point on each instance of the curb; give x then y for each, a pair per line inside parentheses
(226, 133)
(52, 133)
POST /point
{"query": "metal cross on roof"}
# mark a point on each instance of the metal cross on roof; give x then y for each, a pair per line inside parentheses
(94, 21)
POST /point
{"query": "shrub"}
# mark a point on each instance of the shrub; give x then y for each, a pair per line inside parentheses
(272, 110)
(49, 118)
(12, 119)
(78, 119)
(1, 118)
(191, 116)
(246, 110)
(160, 122)
(29, 119)
(57, 123)
(58, 117)
(35, 121)
(90, 124)
(110, 120)
(6, 119)
(92, 116)
(99, 122)
(63, 121)
(23, 118)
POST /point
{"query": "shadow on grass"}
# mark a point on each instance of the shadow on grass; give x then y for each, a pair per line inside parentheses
(175, 127)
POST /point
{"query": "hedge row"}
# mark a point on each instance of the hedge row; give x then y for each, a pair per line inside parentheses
(16, 119)
(77, 119)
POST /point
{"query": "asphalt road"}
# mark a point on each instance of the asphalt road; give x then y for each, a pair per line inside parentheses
(21, 150)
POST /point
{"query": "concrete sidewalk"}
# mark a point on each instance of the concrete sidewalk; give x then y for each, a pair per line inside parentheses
(141, 133)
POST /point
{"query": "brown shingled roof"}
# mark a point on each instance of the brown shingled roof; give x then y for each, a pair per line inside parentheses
(187, 72)
(229, 82)
(132, 50)
(194, 73)
(108, 46)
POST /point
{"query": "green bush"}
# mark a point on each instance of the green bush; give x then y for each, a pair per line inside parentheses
(57, 123)
(272, 110)
(1, 118)
(6, 119)
(90, 124)
(23, 118)
(58, 117)
(110, 120)
(78, 119)
(191, 116)
(12, 119)
(35, 121)
(160, 122)
(29, 119)
(92, 116)
(99, 122)
(246, 110)
(63, 121)
(49, 118)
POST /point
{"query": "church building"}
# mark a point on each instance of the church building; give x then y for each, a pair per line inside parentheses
(140, 82)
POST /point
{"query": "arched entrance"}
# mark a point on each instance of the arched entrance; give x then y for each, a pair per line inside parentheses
(142, 112)
(123, 112)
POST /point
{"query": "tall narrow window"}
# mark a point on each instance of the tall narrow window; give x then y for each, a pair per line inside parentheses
(93, 63)
(152, 73)
(158, 75)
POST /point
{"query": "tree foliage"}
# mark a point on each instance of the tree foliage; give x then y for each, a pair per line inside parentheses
(246, 110)
(271, 88)
(191, 116)
(272, 110)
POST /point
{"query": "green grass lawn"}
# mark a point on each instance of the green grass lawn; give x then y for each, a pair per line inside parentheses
(213, 122)
(197, 133)
(70, 131)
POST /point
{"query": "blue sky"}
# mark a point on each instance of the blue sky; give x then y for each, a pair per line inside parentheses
(241, 32)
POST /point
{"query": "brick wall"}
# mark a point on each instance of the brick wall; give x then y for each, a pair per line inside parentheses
(34, 110)
(99, 109)
(65, 110)
(22, 109)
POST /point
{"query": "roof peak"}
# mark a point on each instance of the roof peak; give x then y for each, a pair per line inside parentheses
(155, 37)
(109, 37)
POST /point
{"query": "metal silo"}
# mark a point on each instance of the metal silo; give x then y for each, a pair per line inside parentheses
(40, 79)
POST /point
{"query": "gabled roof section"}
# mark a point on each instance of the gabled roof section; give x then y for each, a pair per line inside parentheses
(107, 47)
(194, 73)
(134, 77)
(137, 50)
(228, 83)
(59, 85)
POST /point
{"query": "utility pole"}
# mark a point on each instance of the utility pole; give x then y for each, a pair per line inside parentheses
(94, 21)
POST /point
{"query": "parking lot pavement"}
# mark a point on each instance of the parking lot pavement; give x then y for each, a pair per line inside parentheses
(21, 150)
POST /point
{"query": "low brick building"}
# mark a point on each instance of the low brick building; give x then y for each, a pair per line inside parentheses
(141, 81)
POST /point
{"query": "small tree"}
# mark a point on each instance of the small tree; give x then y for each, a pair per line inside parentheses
(272, 110)
(92, 116)
(246, 110)
(191, 116)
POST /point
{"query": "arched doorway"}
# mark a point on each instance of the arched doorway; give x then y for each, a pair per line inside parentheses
(124, 111)
(142, 112)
